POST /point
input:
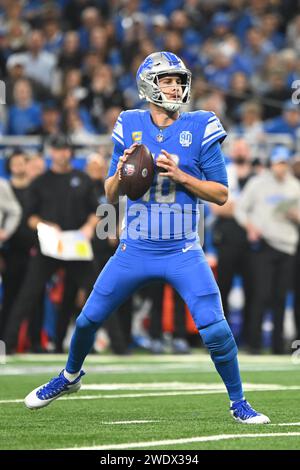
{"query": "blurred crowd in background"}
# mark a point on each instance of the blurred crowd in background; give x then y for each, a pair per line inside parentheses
(69, 67)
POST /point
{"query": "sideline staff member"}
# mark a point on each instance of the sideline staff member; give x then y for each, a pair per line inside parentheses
(63, 197)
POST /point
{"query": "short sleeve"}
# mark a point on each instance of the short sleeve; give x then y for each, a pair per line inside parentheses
(117, 152)
(213, 132)
(117, 133)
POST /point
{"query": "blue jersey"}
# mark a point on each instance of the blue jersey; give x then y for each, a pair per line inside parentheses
(168, 214)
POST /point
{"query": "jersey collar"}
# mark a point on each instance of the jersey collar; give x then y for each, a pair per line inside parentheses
(158, 134)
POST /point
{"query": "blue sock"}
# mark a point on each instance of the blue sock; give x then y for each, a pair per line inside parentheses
(230, 373)
(220, 342)
(81, 343)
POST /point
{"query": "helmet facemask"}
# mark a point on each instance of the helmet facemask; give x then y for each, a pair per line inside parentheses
(160, 99)
(148, 82)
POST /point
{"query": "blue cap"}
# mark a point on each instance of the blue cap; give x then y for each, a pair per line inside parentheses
(220, 19)
(280, 154)
(290, 106)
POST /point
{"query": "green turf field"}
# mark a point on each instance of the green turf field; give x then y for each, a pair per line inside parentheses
(150, 402)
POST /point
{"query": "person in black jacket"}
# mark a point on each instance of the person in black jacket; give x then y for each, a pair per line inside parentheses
(17, 249)
(64, 198)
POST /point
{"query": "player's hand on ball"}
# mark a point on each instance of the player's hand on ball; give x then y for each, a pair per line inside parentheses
(170, 168)
(123, 159)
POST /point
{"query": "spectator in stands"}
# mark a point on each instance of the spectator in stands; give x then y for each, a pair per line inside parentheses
(295, 218)
(214, 102)
(290, 63)
(90, 18)
(90, 62)
(230, 240)
(63, 198)
(35, 166)
(53, 35)
(174, 43)
(72, 105)
(50, 122)
(293, 34)
(287, 123)
(72, 83)
(39, 64)
(276, 93)
(263, 210)
(200, 90)
(110, 118)
(271, 26)
(257, 49)
(192, 38)
(17, 28)
(251, 126)
(103, 94)
(24, 116)
(70, 55)
(17, 253)
(76, 130)
(99, 43)
(16, 69)
(220, 27)
(158, 29)
(239, 92)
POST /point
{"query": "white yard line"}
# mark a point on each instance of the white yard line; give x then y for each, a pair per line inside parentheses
(218, 388)
(188, 440)
(135, 421)
(143, 368)
(285, 424)
(167, 358)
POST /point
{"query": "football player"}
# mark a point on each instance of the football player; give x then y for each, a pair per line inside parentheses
(187, 152)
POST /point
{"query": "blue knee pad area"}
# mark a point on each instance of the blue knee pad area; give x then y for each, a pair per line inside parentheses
(84, 323)
(220, 342)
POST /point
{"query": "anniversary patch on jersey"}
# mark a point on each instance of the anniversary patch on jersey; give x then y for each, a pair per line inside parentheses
(185, 138)
(137, 137)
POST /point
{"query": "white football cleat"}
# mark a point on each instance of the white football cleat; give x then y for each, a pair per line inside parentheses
(243, 413)
(42, 396)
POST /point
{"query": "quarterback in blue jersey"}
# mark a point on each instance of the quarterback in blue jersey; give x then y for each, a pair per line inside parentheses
(160, 239)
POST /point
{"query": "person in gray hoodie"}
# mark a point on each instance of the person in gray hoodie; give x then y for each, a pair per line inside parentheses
(268, 208)
(296, 172)
(10, 217)
(10, 211)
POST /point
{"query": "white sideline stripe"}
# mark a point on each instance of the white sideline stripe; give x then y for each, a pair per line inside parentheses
(188, 440)
(160, 394)
(176, 386)
(285, 424)
(166, 358)
(147, 369)
(135, 421)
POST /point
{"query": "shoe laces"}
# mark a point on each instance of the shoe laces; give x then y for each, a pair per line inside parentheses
(244, 410)
(55, 386)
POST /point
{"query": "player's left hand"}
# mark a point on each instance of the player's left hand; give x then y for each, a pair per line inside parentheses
(171, 169)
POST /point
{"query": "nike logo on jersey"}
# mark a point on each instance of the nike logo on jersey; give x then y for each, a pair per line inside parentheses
(187, 248)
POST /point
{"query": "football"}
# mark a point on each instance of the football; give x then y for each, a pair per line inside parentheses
(137, 173)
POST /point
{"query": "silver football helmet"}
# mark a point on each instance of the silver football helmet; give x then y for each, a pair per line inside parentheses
(163, 64)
